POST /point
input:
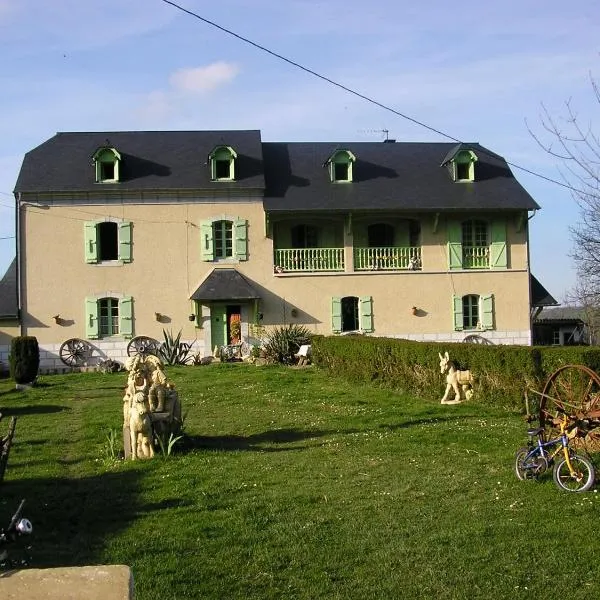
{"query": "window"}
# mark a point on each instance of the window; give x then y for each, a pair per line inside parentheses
(106, 161)
(340, 166)
(224, 238)
(305, 236)
(464, 166)
(470, 305)
(107, 241)
(381, 235)
(477, 244)
(473, 311)
(555, 336)
(222, 163)
(108, 315)
(352, 314)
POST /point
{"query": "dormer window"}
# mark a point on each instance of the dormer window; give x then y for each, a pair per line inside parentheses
(106, 160)
(460, 162)
(464, 166)
(222, 163)
(340, 166)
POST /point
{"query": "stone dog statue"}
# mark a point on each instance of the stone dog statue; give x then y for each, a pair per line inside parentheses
(459, 381)
(140, 428)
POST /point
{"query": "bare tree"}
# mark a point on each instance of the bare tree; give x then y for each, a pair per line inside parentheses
(577, 147)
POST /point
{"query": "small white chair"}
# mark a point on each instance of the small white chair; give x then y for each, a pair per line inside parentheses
(303, 354)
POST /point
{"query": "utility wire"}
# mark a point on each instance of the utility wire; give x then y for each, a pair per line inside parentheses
(352, 91)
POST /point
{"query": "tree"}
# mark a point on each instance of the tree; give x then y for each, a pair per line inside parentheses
(577, 146)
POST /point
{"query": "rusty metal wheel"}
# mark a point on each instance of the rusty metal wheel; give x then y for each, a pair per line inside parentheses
(572, 389)
(143, 345)
(75, 352)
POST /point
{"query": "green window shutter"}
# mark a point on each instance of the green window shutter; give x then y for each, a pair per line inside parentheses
(241, 239)
(366, 314)
(336, 315)
(457, 309)
(498, 252)
(454, 245)
(91, 319)
(206, 241)
(91, 242)
(126, 316)
(125, 241)
(487, 311)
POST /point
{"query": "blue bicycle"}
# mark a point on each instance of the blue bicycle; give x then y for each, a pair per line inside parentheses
(572, 472)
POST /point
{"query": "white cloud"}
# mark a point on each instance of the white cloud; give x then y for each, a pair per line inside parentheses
(185, 85)
(198, 80)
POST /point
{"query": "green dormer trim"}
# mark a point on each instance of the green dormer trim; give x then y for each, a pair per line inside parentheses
(340, 166)
(460, 162)
(222, 163)
(106, 161)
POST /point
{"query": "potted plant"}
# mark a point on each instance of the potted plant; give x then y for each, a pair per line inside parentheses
(235, 331)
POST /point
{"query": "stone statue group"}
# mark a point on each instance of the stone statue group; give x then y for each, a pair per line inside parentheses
(151, 406)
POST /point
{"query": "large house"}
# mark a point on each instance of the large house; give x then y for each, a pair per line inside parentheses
(126, 234)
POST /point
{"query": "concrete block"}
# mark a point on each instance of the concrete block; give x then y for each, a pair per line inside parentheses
(109, 582)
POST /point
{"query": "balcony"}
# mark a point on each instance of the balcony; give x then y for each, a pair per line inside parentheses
(387, 259)
(476, 257)
(293, 260)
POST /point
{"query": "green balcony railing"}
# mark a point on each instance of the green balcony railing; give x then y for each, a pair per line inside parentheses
(476, 257)
(309, 259)
(392, 258)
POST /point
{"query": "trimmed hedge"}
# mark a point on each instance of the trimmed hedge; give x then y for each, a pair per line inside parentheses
(24, 359)
(502, 373)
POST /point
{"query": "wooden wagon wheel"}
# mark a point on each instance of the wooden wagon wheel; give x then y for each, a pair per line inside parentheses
(142, 345)
(575, 390)
(75, 352)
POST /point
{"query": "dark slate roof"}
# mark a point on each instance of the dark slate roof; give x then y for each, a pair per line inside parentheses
(225, 284)
(540, 296)
(562, 314)
(153, 160)
(8, 293)
(387, 176)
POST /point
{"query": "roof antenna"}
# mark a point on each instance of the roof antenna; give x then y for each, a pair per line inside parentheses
(385, 132)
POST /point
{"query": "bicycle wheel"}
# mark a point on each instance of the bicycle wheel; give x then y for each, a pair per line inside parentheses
(529, 468)
(584, 476)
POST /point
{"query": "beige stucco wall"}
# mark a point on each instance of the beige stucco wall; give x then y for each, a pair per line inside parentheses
(167, 268)
(8, 330)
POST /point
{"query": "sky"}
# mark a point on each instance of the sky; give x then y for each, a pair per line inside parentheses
(477, 72)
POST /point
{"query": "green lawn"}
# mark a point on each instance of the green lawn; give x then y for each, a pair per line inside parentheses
(294, 484)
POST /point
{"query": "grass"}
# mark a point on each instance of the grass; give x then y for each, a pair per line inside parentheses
(294, 484)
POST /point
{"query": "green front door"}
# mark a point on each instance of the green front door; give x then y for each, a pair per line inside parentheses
(218, 325)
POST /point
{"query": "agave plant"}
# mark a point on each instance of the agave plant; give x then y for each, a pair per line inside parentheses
(283, 342)
(173, 351)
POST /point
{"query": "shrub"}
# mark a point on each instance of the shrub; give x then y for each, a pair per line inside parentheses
(24, 359)
(173, 351)
(502, 372)
(283, 342)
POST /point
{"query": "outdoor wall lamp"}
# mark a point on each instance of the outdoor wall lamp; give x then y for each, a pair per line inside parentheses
(192, 317)
(157, 316)
(57, 319)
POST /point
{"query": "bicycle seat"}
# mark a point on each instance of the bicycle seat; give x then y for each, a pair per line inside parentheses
(533, 432)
